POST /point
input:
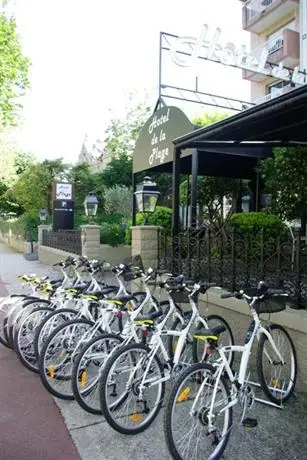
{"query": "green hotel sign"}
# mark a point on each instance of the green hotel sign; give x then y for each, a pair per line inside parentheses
(154, 146)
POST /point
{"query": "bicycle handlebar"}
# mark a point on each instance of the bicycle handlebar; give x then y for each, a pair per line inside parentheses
(261, 296)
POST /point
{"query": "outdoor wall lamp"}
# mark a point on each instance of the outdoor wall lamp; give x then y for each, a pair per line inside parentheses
(43, 214)
(91, 204)
(146, 196)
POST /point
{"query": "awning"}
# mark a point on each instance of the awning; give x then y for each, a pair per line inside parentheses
(280, 121)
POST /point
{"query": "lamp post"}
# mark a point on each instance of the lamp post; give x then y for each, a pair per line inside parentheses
(146, 196)
(91, 205)
(43, 214)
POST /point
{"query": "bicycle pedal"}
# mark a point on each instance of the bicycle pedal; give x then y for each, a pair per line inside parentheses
(250, 422)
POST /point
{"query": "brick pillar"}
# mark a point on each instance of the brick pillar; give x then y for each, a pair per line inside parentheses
(145, 241)
(40, 232)
(90, 241)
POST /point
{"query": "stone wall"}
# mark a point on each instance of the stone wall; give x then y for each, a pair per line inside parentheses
(51, 256)
(16, 242)
(114, 255)
(236, 313)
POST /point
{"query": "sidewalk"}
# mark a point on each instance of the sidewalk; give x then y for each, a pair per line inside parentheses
(32, 428)
(31, 425)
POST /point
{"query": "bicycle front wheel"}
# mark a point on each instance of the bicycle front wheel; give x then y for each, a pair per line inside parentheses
(197, 420)
(131, 389)
(277, 378)
(24, 337)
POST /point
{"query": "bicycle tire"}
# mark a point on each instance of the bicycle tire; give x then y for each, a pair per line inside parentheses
(220, 320)
(52, 374)
(77, 374)
(26, 309)
(180, 393)
(272, 392)
(107, 410)
(37, 338)
(28, 358)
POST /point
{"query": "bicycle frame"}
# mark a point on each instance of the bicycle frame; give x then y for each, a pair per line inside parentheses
(156, 344)
(221, 365)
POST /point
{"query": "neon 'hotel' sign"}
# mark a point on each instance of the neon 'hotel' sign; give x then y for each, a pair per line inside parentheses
(229, 55)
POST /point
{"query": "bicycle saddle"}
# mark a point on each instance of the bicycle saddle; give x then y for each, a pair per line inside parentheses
(210, 333)
(123, 298)
(149, 318)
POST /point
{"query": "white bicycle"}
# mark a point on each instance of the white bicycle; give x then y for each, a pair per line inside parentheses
(132, 383)
(198, 416)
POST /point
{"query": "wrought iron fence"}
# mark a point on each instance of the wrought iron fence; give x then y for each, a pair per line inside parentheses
(67, 240)
(234, 260)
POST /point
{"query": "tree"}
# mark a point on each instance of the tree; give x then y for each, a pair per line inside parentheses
(118, 172)
(210, 190)
(33, 189)
(13, 71)
(119, 199)
(13, 163)
(285, 177)
(210, 118)
(85, 181)
(210, 194)
(122, 133)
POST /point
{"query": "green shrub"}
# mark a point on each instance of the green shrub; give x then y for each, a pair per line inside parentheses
(162, 217)
(112, 234)
(254, 222)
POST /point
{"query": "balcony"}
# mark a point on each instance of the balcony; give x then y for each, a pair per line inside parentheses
(285, 48)
(258, 15)
(272, 95)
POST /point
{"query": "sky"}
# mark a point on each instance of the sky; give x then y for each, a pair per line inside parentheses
(88, 55)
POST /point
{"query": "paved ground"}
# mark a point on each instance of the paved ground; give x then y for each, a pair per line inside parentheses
(31, 425)
(30, 420)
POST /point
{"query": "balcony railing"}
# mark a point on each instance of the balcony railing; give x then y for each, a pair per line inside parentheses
(275, 93)
(258, 15)
(255, 8)
(284, 47)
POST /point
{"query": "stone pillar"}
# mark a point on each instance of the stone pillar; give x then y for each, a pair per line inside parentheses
(40, 232)
(145, 241)
(90, 241)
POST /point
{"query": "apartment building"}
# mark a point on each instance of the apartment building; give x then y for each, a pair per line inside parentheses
(280, 27)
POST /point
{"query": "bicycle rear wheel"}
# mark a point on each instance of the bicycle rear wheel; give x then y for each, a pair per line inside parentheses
(225, 339)
(187, 415)
(277, 379)
(87, 369)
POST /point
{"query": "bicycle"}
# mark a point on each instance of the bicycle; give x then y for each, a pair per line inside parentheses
(93, 355)
(202, 427)
(132, 384)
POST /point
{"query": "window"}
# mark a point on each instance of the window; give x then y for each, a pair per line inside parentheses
(278, 88)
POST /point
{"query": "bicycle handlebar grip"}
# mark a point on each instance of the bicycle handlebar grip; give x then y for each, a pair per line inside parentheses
(277, 292)
(228, 295)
